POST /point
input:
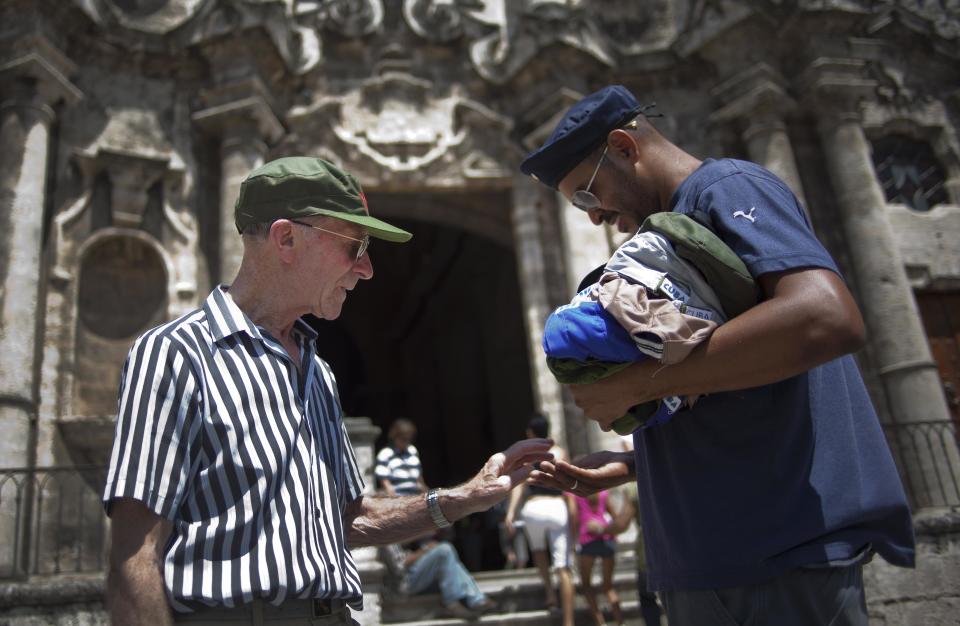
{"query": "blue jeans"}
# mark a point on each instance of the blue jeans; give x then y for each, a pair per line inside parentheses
(802, 597)
(440, 568)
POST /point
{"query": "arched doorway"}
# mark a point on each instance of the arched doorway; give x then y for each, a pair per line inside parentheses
(437, 336)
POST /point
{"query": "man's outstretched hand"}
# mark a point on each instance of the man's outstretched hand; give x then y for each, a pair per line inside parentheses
(504, 471)
(587, 474)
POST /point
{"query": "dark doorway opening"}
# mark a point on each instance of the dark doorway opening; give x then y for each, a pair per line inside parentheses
(437, 337)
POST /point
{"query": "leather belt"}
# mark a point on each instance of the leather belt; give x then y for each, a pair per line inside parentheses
(261, 612)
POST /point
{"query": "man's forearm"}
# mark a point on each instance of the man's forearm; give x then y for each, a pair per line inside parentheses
(372, 520)
(382, 520)
(136, 595)
(779, 338)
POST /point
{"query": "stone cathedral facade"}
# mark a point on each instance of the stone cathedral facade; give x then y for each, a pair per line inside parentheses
(126, 127)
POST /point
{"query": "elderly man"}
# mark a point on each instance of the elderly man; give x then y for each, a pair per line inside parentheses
(233, 489)
(761, 502)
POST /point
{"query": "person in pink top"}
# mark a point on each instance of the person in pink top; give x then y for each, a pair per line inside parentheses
(594, 513)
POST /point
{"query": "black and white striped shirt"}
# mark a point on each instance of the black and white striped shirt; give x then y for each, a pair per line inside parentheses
(219, 432)
(401, 468)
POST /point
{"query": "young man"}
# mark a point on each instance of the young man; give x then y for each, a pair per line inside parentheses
(233, 490)
(761, 502)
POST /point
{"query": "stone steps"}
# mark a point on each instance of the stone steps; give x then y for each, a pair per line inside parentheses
(520, 596)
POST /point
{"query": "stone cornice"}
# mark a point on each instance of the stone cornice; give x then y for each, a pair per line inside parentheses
(544, 117)
(837, 86)
(755, 91)
(232, 104)
(34, 57)
(85, 589)
(500, 38)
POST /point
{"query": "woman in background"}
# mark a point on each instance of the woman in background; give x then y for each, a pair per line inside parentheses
(593, 514)
(546, 516)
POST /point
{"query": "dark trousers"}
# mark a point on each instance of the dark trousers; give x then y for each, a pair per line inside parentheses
(649, 608)
(823, 596)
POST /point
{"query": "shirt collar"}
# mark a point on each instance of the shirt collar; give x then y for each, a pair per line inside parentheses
(226, 318)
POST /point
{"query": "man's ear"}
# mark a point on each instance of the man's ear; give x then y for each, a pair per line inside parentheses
(282, 239)
(622, 144)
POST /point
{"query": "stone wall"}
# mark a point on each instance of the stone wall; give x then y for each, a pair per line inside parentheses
(62, 601)
(929, 595)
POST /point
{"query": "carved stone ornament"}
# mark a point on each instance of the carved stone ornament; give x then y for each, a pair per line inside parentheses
(438, 20)
(394, 128)
(194, 21)
(353, 18)
(505, 36)
(148, 16)
(704, 20)
(939, 17)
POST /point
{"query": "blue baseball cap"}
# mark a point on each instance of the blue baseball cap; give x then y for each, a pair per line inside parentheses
(582, 129)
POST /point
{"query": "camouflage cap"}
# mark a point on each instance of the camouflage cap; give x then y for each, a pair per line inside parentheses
(293, 187)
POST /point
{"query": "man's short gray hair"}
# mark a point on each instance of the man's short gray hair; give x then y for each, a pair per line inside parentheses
(260, 230)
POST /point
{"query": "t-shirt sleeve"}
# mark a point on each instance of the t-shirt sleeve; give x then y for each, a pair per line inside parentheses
(763, 222)
(157, 430)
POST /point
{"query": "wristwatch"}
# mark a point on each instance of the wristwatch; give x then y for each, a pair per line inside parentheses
(433, 505)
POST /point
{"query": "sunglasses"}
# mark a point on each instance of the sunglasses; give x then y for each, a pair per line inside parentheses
(360, 247)
(583, 199)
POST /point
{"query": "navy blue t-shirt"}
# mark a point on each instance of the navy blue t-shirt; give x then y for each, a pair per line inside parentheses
(747, 484)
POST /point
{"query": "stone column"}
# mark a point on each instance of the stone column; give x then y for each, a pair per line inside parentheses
(33, 81)
(241, 115)
(756, 101)
(363, 435)
(528, 243)
(904, 362)
(585, 246)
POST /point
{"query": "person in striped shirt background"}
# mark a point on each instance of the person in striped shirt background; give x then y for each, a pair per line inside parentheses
(233, 490)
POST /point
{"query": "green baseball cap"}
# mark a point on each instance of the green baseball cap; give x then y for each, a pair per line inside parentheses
(294, 187)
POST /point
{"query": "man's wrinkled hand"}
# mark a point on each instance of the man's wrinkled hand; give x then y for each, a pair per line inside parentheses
(505, 470)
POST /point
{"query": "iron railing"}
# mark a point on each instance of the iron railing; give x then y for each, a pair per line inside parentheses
(51, 521)
(928, 458)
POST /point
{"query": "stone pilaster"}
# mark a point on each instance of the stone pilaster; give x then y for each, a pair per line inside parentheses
(756, 102)
(585, 246)
(904, 362)
(528, 243)
(33, 81)
(363, 436)
(241, 115)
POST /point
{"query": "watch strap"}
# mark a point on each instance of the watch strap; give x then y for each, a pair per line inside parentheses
(433, 505)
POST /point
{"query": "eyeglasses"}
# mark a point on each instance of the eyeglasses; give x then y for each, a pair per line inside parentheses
(582, 198)
(360, 250)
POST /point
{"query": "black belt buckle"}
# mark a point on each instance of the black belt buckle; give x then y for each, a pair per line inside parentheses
(322, 608)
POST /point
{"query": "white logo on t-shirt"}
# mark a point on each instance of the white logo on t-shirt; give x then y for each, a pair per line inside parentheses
(748, 216)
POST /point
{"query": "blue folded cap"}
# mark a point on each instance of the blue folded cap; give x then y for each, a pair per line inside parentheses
(582, 129)
(586, 331)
